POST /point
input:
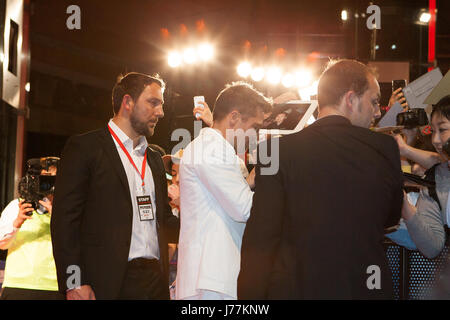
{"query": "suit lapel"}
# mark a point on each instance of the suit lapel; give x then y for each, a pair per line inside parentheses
(152, 162)
(111, 150)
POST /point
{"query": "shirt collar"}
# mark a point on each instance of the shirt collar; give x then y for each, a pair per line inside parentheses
(218, 135)
(127, 142)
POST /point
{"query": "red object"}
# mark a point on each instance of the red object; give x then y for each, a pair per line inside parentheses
(200, 25)
(432, 34)
(280, 52)
(313, 56)
(165, 33)
(426, 130)
(142, 173)
(183, 30)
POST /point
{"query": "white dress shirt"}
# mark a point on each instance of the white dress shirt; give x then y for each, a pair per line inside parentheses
(7, 230)
(144, 237)
(215, 202)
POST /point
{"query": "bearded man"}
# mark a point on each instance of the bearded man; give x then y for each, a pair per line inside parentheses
(111, 220)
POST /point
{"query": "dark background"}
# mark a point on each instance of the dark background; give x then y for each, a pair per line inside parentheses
(72, 72)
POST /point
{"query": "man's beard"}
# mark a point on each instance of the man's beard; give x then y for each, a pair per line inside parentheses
(138, 126)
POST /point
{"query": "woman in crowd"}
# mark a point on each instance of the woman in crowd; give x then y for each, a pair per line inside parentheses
(427, 222)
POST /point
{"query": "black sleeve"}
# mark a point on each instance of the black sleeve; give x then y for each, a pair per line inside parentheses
(71, 189)
(262, 236)
(397, 184)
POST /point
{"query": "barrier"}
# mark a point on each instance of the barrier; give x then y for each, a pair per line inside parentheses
(414, 276)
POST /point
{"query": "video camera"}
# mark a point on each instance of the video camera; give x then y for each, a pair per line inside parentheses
(34, 186)
(414, 118)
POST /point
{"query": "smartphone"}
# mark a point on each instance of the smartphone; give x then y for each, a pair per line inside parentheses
(197, 99)
(398, 84)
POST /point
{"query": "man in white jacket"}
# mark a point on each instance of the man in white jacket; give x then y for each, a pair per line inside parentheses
(215, 197)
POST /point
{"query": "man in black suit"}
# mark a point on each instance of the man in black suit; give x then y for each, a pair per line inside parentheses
(316, 226)
(111, 218)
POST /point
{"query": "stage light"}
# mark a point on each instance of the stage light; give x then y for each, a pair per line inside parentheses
(205, 51)
(305, 93)
(425, 17)
(314, 87)
(189, 56)
(377, 47)
(174, 59)
(393, 47)
(244, 69)
(303, 78)
(288, 80)
(274, 75)
(344, 15)
(257, 74)
(27, 87)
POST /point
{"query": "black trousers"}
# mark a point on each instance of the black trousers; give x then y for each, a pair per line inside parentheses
(29, 294)
(144, 280)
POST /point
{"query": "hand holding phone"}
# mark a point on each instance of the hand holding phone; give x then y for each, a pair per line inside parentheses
(197, 99)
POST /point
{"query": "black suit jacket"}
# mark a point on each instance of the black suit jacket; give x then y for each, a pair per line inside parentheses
(92, 215)
(317, 225)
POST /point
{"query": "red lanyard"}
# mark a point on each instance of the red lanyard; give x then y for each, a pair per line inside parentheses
(129, 157)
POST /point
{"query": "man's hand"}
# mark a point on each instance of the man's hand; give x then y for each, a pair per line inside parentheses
(205, 114)
(251, 179)
(24, 208)
(82, 293)
(397, 96)
(402, 146)
(408, 210)
(46, 203)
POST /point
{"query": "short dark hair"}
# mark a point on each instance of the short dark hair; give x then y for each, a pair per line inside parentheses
(133, 83)
(442, 108)
(341, 76)
(242, 97)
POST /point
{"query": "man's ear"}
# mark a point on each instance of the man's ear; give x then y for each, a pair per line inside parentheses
(127, 103)
(351, 101)
(234, 117)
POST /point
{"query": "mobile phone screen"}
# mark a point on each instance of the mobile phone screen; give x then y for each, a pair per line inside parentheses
(398, 84)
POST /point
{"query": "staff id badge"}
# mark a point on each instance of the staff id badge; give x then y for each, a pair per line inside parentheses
(145, 208)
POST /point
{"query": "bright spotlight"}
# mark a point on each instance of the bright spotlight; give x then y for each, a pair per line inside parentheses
(274, 75)
(244, 69)
(393, 47)
(205, 51)
(344, 15)
(305, 93)
(27, 87)
(189, 55)
(303, 78)
(425, 17)
(314, 87)
(288, 80)
(257, 74)
(174, 59)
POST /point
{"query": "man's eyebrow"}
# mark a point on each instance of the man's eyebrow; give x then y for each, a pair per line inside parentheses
(152, 99)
